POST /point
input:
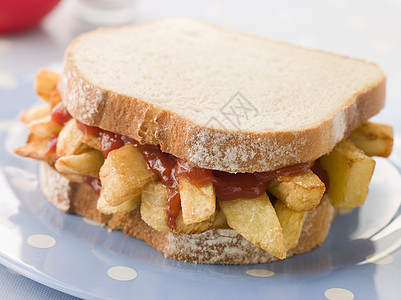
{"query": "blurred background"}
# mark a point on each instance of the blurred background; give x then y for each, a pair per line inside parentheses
(35, 34)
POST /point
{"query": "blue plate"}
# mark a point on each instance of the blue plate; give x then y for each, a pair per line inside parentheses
(360, 257)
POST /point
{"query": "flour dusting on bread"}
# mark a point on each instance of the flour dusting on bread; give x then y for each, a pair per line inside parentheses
(81, 96)
(339, 124)
(296, 92)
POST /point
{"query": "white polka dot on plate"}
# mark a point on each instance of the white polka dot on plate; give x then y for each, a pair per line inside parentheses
(7, 81)
(122, 273)
(21, 179)
(260, 273)
(91, 222)
(8, 125)
(41, 241)
(339, 294)
(24, 184)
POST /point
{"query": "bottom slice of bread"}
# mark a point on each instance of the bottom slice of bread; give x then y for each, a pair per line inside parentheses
(217, 246)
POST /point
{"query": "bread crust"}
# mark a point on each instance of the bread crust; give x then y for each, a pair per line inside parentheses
(217, 246)
(211, 148)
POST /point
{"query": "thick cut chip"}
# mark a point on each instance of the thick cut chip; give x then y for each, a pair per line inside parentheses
(44, 127)
(91, 141)
(350, 171)
(69, 140)
(198, 203)
(124, 174)
(216, 221)
(123, 208)
(55, 97)
(374, 139)
(37, 148)
(291, 222)
(153, 206)
(299, 192)
(256, 220)
(35, 113)
(45, 83)
(87, 163)
(153, 211)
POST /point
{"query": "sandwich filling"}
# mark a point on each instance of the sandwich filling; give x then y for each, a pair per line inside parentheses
(266, 208)
(169, 169)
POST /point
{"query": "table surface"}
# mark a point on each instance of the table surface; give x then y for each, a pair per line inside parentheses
(370, 30)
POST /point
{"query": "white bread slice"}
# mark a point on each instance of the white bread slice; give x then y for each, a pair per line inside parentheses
(217, 246)
(169, 82)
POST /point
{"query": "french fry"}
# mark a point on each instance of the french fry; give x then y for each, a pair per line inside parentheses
(216, 221)
(69, 140)
(44, 127)
(350, 171)
(45, 83)
(124, 174)
(299, 192)
(153, 212)
(91, 141)
(55, 97)
(124, 207)
(87, 163)
(37, 148)
(35, 113)
(291, 222)
(153, 206)
(198, 203)
(374, 139)
(256, 220)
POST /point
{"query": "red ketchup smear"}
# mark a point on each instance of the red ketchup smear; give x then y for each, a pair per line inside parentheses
(51, 145)
(164, 166)
(321, 173)
(60, 115)
(169, 169)
(109, 140)
(229, 186)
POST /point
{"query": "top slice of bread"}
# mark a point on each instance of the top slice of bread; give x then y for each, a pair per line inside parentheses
(219, 99)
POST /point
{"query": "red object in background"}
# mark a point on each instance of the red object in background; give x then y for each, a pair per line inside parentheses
(16, 15)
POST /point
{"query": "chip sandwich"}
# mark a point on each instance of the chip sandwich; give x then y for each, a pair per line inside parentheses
(210, 145)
